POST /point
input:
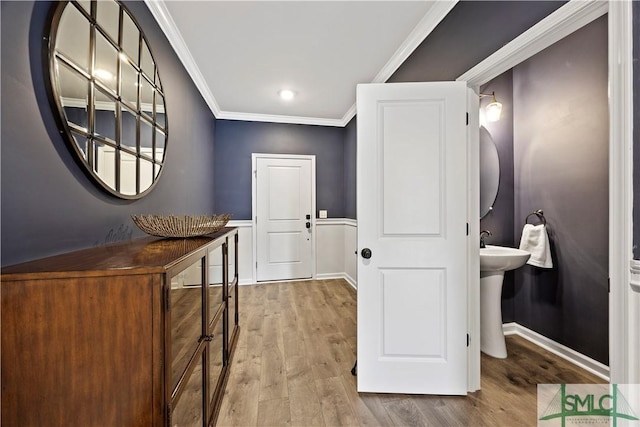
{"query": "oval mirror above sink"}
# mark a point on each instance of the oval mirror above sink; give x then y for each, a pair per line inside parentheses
(489, 172)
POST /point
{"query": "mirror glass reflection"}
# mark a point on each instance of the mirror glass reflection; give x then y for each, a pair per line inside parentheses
(108, 16)
(489, 172)
(73, 38)
(107, 89)
(186, 318)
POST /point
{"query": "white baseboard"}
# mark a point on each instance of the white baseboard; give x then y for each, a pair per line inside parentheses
(324, 276)
(327, 276)
(596, 368)
(350, 280)
(345, 276)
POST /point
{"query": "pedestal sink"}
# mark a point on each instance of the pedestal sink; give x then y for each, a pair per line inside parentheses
(494, 261)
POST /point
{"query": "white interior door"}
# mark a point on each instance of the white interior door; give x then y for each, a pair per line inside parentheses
(412, 216)
(284, 214)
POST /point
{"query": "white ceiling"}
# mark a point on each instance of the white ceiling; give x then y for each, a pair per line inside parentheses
(241, 53)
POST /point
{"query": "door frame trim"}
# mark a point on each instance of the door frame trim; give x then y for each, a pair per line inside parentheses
(567, 19)
(254, 205)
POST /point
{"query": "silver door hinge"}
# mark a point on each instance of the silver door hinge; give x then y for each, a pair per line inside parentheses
(467, 119)
(467, 229)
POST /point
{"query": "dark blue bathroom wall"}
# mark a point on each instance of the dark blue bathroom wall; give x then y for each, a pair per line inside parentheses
(636, 130)
(500, 220)
(350, 151)
(237, 140)
(471, 31)
(561, 134)
(48, 205)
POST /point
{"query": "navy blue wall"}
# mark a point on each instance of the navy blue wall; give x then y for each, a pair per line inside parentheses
(472, 31)
(236, 140)
(49, 205)
(350, 143)
(561, 165)
(500, 220)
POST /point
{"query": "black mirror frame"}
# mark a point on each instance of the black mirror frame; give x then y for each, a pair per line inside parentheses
(51, 82)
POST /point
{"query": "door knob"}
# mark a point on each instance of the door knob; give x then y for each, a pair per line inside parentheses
(366, 253)
(308, 225)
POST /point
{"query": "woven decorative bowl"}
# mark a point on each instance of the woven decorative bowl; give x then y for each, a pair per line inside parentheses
(180, 226)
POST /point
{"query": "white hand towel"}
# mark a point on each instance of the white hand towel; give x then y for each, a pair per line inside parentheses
(536, 241)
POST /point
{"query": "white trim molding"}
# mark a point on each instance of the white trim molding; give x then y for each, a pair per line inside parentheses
(350, 222)
(634, 268)
(427, 24)
(272, 118)
(240, 223)
(159, 10)
(333, 221)
(165, 21)
(572, 16)
(344, 276)
(623, 307)
(585, 362)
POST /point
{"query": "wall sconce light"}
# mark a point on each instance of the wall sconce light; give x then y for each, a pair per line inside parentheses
(494, 109)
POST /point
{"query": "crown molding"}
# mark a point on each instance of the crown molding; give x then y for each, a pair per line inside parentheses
(568, 18)
(272, 118)
(427, 24)
(165, 21)
(429, 21)
(350, 114)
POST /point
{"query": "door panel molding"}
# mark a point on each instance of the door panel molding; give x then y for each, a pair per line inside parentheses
(254, 206)
(412, 291)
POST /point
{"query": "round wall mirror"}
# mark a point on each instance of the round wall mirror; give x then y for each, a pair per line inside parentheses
(489, 172)
(105, 86)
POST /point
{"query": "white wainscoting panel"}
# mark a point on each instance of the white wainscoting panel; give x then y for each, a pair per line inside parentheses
(245, 251)
(336, 245)
(329, 248)
(350, 252)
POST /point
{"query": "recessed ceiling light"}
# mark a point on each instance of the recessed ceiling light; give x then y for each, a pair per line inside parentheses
(287, 94)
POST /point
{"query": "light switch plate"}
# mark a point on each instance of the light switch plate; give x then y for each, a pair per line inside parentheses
(323, 214)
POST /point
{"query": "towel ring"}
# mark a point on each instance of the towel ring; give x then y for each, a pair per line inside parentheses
(540, 216)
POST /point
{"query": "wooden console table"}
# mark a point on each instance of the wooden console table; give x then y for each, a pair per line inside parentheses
(126, 334)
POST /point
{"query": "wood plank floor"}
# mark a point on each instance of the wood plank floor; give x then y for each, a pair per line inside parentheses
(295, 352)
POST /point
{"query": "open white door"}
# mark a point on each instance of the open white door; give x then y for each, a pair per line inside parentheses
(284, 212)
(412, 217)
